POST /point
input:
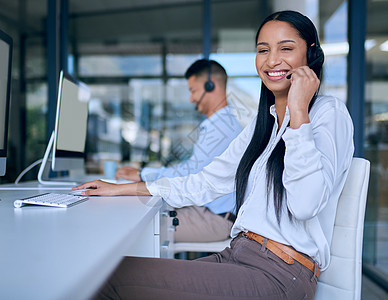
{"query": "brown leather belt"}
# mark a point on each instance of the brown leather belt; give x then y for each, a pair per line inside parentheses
(286, 253)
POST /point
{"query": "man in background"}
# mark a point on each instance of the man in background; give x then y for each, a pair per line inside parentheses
(206, 81)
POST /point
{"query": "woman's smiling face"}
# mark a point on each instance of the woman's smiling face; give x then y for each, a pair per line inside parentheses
(279, 50)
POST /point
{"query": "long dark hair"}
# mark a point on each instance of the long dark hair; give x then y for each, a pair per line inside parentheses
(265, 121)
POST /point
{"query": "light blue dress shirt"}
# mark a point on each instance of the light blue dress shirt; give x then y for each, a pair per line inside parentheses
(214, 136)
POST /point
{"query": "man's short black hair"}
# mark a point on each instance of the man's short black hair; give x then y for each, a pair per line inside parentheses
(201, 67)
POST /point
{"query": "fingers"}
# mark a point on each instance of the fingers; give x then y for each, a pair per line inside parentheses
(99, 188)
(93, 192)
(126, 172)
(299, 70)
(86, 185)
(94, 188)
(305, 79)
(304, 84)
(303, 72)
(122, 172)
(119, 173)
(307, 69)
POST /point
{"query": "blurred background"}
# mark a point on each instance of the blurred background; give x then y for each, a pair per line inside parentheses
(133, 55)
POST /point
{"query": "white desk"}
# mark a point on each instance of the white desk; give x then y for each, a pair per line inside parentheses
(53, 253)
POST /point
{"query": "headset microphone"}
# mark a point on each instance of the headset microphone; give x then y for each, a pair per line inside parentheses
(200, 99)
(208, 86)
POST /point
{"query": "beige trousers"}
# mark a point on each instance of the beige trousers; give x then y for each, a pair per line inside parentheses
(199, 224)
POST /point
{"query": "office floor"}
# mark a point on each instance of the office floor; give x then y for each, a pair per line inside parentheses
(370, 291)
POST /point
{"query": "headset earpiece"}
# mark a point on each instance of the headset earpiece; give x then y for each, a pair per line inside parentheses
(315, 55)
(209, 85)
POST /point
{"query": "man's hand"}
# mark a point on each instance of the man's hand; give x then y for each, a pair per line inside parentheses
(128, 173)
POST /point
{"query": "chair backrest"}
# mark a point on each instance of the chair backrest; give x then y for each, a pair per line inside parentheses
(342, 280)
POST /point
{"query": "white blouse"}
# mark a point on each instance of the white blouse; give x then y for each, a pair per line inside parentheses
(317, 159)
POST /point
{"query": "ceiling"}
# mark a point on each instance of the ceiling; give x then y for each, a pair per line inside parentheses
(168, 22)
(145, 25)
(115, 22)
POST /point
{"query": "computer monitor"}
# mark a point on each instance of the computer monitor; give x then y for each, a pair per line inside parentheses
(70, 124)
(5, 92)
(69, 137)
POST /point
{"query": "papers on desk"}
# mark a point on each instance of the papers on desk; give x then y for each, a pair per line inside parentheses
(117, 181)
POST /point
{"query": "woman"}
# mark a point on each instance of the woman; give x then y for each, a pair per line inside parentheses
(289, 167)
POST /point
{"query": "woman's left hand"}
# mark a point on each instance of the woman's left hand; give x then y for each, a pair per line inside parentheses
(304, 84)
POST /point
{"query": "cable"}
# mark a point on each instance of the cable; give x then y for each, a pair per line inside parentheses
(27, 169)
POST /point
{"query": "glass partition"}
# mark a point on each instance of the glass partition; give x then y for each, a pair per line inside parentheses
(376, 138)
(133, 54)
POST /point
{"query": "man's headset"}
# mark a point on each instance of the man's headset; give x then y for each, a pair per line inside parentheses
(209, 84)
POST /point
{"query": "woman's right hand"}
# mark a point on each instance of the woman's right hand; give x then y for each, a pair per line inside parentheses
(304, 84)
(102, 188)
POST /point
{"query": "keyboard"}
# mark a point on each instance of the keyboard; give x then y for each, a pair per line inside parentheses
(51, 199)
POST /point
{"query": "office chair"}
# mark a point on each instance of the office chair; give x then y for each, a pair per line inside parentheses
(342, 279)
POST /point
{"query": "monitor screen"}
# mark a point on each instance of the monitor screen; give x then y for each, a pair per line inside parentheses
(70, 124)
(5, 90)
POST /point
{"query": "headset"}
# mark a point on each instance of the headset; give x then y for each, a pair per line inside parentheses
(315, 53)
(315, 56)
(209, 85)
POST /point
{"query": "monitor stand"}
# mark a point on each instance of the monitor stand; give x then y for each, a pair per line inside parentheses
(43, 166)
